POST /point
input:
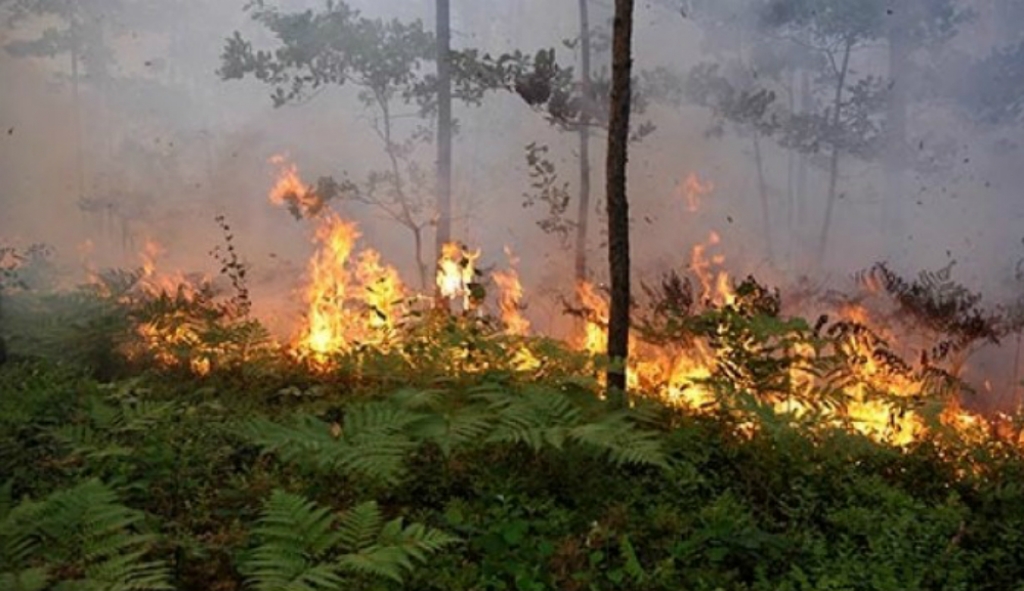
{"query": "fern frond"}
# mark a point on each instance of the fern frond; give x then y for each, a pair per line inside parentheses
(30, 579)
(452, 429)
(616, 435)
(290, 517)
(296, 536)
(389, 551)
(417, 399)
(373, 441)
(84, 530)
(304, 548)
(376, 440)
(307, 435)
(535, 417)
(143, 415)
(86, 525)
(83, 440)
(18, 538)
(360, 526)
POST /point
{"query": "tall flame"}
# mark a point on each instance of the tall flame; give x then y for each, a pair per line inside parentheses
(337, 288)
(714, 281)
(382, 292)
(328, 319)
(595, 335)
(511, 297)
(456, 273)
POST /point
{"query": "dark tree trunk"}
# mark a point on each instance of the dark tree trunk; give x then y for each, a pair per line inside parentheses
(583, 212)
(444, 127)
(618, 205)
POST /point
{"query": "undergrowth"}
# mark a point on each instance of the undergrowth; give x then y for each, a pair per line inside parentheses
(458, 457)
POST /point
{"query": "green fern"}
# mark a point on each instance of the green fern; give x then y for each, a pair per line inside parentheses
(296, 537)
(443, 423)
(105, 428)
(450, 430)
(617, 435)
(303, 547)
(81, 536)
(390, 551)
(372, 441)
(539, 417)
(18, 543)
(536, 417)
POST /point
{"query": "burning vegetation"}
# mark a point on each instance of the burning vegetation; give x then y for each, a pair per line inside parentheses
(888, 362)
(338, 413)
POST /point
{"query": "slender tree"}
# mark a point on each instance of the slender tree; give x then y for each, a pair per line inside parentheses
(583, 209)
(75, 29)
(848, 124)
(618, 205)
(895, 161)
(338, 46)
(444, 127)
(910, 25)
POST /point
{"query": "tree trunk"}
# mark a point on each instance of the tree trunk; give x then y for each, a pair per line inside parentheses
(405, 215)
(762, 188)
(833, 172)
(789, 245)
(895, 162)
(421, 265)
(76, 98)
(583, 211)
(802, 218)
(618, 205)
(444, 127)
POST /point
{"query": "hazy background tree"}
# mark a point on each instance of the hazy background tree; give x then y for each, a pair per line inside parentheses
(383, 59)
(911, 26)
(586, 89)
(77, 29)
(444, 126)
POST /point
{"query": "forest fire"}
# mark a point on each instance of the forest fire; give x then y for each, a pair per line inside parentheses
(329, 320)
(172, 339)
(511, 297)
(456, 273)
(644, 296)
(353, 299)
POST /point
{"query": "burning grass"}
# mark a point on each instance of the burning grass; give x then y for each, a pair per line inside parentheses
(702, 341)
(769, 439)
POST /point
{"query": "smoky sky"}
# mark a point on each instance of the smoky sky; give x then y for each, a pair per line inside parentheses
(155, 144)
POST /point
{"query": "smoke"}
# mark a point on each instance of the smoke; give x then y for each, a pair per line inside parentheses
(154, 145)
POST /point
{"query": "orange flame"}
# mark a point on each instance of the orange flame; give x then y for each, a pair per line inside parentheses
(456, 272)
(509, 301)
(328, 319)
(335, 292)
(692, 190)
(595, 335)
(382, 292)
(353, 298)
(289, 189)
(715, 284)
